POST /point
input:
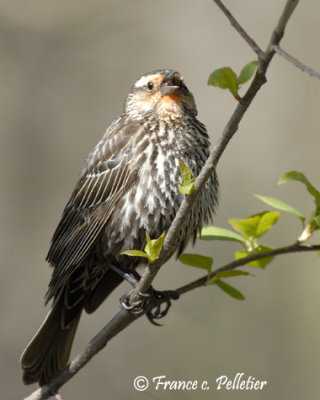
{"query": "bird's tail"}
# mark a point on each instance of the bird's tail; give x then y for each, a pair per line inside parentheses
(49, 350)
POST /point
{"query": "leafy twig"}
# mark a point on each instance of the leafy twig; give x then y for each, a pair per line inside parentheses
(294, 248)
(123, 319)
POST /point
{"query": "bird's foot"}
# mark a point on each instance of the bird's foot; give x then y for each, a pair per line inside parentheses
(151, 302)
(157, 299)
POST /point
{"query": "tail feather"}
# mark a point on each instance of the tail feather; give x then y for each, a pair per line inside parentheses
(48, 352)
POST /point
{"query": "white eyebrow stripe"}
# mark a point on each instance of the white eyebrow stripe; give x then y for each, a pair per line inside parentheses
(144, 80)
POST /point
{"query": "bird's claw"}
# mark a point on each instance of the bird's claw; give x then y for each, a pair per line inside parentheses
(150, 302)
(157, 298)
(135, 307)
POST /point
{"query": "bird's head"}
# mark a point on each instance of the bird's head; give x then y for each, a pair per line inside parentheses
(160, 93)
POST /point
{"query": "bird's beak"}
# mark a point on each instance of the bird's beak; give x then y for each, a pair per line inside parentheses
(169, 83)
(168, 89)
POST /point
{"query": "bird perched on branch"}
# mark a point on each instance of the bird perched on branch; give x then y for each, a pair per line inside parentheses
(128, 187)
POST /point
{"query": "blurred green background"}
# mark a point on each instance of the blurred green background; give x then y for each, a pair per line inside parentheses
(66, 67)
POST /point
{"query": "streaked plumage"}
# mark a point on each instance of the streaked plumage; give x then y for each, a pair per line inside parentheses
(127, 187)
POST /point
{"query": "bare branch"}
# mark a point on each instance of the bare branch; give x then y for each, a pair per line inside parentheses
(124, 318)
(239, 28)
(284, 18)
(297, 63)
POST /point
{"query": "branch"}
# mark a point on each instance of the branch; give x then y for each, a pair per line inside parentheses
(211, 163)
(239, 29)
(123, 318)
(297, 63)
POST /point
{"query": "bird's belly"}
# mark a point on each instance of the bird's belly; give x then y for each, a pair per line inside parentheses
(150, 206)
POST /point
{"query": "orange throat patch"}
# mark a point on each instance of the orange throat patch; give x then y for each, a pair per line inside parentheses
(170, 106)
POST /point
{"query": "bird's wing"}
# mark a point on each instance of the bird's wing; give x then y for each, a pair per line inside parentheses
(108, 174)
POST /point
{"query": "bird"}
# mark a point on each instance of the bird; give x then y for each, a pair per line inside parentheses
(127, 187)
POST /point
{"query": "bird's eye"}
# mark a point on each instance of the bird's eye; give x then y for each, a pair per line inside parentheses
(150, 85)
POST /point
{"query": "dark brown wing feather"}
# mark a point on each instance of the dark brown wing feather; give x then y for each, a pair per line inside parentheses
(108, 174)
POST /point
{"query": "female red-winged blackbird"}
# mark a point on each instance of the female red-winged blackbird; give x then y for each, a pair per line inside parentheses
(128, 186)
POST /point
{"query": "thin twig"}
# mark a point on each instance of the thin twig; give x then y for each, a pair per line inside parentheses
(124, 318)
(239, 29)
(297, 63)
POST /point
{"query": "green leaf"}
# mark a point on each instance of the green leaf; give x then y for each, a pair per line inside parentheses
(231, 273)
(148, 246)
(280, 205)
(135, 253)
(300, 177)
(256, 225)
(238, 225)
(226, 274)
(224, 78)
(197, 261)
(266, 221)
(187, 188)
(185, 172)
(230, 290)
(187, 185)
(153, 247)
(216, 233)
(247, 72)
(158, 243)
(151, 250)
(262, 262)
(317, 221)
(314, 224)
